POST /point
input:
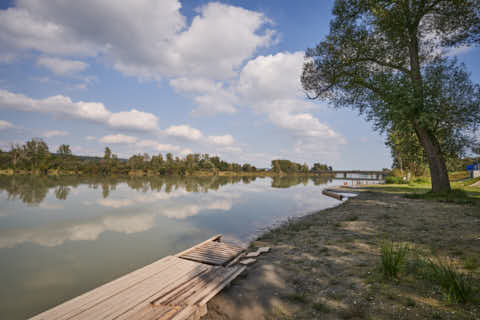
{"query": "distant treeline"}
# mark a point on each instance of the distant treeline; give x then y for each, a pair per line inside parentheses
(34, 157)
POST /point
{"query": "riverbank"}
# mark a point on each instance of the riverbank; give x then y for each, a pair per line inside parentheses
(327, 265)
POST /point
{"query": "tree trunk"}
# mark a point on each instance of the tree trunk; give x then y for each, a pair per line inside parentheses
(436, 162)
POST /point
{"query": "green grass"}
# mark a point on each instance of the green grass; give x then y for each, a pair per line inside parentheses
(392, 259)
(461, 193)
(459, 196)
(456, 286)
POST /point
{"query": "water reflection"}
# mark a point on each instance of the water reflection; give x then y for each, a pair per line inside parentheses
(32, 190)
(61, 236)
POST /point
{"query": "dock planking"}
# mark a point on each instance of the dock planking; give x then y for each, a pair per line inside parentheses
(173, 288)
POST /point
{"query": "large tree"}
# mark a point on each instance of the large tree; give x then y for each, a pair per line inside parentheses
(384, 58)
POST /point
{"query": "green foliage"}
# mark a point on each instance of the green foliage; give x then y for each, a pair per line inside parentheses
(395, 180)
(34, 157)
(392, 258)
(378, 58)
(456, 286)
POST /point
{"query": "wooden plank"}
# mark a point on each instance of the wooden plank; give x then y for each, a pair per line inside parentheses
(168, 289)
(222, 285)
(234, 261)
(214, 238)
(207, 256)
(143, 293)
(161, 290)
(213, 252)
(179, 296)
(221, 246)
(96, 296)
(204, 261)
(209, 259)
(332, 195)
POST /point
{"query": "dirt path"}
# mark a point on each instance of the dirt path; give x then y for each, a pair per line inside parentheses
(326, 265)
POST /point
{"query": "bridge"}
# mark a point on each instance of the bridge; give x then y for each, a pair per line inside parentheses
(359, 174)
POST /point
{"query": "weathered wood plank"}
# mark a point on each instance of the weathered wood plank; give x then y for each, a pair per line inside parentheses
(168, 289)
(144, 292)
(214, 238)
(96, 296)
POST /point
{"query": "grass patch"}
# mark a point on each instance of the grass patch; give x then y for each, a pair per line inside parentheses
(392, 258)
(456, 286)
(455, 196)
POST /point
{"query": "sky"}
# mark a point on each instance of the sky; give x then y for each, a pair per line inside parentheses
(161, 76)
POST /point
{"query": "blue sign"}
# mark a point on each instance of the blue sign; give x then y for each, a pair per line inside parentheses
(472, 167)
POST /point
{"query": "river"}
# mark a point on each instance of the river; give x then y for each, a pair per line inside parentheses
(62, 236)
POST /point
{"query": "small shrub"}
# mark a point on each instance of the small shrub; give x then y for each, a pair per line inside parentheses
(456, 286)
(392, 257)
(395, 180)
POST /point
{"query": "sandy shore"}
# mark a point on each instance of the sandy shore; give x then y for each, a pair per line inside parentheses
(327, 265)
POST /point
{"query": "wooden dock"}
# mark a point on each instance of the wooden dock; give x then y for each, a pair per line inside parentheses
(173, 288)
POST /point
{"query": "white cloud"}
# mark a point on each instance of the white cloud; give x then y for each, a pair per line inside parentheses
(225, 140)
(56, 235)
(271, 78)
(219, 39)
(118, 139)
(157, 146)
(4, 125)
(93, 111)
(211, 97)
(133, 119)
(90, 138)
(164, 44)
(55, 133)
(61, 66)
(184, 131)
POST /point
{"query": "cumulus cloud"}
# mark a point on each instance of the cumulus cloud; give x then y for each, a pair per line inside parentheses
(118, 139)
(55, 133)
(157, 146)
(164, 44)
(263, 85)
(4, 125)
(232, 34)
(225, 140)
(133, 119)
(60, 105)
(184, 131)
(210, 96)
(61, 66)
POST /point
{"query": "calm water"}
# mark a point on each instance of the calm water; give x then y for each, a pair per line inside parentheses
(60, 237)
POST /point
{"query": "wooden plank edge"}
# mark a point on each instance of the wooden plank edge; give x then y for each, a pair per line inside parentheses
(234, 261)
(222, 285)
(214, 238)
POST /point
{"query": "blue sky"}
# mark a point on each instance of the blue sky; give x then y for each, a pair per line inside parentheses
(177, 76)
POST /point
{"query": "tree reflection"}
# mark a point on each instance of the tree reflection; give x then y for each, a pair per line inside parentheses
(32, 190)
(61, 192)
